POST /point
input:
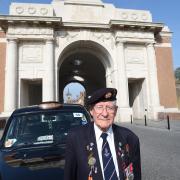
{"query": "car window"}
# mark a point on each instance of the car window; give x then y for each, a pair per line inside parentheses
(42, 127)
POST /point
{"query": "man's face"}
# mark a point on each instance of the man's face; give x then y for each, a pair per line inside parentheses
(103, 114)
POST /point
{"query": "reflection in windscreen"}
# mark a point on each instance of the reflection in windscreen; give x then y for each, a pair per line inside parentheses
(42, 128)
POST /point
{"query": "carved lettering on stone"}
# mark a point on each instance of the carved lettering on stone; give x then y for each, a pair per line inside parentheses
(81, 13)
(134, 55)
(32, 53)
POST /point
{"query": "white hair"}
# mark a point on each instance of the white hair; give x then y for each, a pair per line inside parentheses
(114, 102)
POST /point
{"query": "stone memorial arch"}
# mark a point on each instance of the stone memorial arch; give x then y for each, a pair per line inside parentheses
(87, 62)
(47, 46)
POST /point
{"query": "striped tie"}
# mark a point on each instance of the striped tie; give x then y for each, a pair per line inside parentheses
(108, 164)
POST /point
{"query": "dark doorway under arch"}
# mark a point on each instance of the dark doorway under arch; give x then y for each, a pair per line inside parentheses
(85, 62)
(89, 72)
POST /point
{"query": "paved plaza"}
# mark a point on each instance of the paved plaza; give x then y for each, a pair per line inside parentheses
(160, 151)
(174, 125)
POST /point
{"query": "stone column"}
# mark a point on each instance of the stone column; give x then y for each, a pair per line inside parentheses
(154, 105)
(122, 82)
(152, 71)
(11, 74)
(124, 111)
(49, 77)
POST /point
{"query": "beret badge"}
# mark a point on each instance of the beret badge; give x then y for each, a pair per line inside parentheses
(108, 95)
(100, 95)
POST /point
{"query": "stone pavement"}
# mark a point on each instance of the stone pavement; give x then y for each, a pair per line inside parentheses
(160, 151)
(162, 123)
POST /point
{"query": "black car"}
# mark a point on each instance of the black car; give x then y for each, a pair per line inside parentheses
(32, 146)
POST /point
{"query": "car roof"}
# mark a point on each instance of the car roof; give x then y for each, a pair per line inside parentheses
(37, 108)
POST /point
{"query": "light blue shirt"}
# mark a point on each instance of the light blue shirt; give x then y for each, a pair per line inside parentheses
(110, 139)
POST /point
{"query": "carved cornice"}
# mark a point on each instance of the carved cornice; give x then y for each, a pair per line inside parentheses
(6, 20)
(134, 34)
(86, 25)
(139, 37)
(25, 30)
(12, 39)
(56, 22)
(150, 45)
(131, 25)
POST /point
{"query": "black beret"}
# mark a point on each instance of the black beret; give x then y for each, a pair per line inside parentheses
(104, 94)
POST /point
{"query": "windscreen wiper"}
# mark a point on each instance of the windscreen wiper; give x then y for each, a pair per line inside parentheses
(21, 146)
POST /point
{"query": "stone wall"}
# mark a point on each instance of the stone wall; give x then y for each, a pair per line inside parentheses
(2, 68)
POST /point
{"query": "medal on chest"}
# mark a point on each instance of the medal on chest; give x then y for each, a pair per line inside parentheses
(127, 166)
(91, 161)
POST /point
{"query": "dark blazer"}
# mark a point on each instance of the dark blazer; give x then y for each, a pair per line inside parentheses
(81, 146)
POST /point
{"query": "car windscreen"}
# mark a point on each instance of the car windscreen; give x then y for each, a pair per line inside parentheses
(42, 127)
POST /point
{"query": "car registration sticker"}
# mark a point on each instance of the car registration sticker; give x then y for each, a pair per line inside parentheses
(77, 114)
(45, 138)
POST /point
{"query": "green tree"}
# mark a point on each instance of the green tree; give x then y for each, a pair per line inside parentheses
(177, 73)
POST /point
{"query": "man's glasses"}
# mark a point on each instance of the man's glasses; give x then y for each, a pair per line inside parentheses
(109, 109)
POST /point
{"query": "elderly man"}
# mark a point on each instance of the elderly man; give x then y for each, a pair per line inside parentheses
(102, 150)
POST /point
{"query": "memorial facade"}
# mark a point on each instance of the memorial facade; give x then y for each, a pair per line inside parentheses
(46, 46)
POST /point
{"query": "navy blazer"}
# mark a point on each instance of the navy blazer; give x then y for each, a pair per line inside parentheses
(81, 146)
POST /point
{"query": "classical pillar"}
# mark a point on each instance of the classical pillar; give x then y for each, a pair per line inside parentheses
(154, 105)
(152, 72)
(11, 92)
(124, 111)
(122, 82)
(49, 77)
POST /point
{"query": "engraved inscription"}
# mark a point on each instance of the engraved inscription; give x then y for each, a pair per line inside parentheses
(32, 53)
(134, 55)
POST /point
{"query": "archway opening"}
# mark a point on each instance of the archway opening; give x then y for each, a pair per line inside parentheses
(85, 63)
(74, 93)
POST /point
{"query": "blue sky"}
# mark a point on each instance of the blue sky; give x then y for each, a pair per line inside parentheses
(74, 88)
(164, 11)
